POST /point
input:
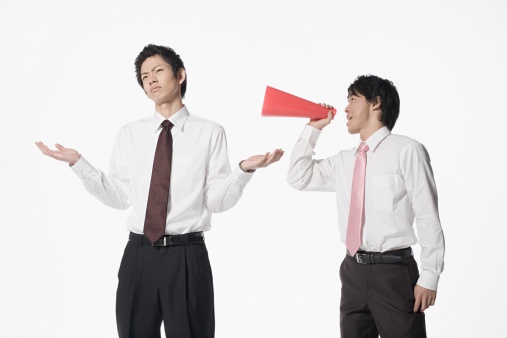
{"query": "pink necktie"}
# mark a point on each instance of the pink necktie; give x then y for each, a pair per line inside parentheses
(354, 236)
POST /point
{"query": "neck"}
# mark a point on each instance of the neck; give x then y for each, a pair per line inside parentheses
(168, 109)
(367, 132)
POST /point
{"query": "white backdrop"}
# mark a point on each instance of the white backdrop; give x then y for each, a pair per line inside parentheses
(67, 75)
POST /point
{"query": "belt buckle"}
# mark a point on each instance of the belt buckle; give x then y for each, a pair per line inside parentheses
(160, 242)
(359, 258)
(365, 258)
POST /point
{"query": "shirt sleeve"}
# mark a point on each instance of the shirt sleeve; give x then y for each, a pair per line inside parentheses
(307, 174)
(113, 190)
(223, 189)
(422, 192)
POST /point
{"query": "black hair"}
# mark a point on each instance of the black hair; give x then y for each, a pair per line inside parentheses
(373, 87)
(169, 56)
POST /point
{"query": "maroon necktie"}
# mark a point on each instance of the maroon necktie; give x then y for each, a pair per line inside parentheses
(158, 197)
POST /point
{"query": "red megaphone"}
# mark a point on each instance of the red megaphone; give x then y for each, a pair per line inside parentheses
(279, 103)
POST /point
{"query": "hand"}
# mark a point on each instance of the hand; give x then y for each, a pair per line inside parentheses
(261, 161)
(70, 156)
(424, 298)
(321, 123)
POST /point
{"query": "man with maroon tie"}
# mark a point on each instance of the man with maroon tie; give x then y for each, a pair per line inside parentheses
(173, 169)
(381, 186)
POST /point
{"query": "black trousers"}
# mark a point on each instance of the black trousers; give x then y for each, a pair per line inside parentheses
(379, 298)
(172, 284)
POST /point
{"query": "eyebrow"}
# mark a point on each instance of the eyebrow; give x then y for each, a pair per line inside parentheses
(151, 69)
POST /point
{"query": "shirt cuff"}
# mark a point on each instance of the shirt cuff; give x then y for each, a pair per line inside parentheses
(428, 279)
(242, 178)
(310, 134)
(82, 167)
(246, 171)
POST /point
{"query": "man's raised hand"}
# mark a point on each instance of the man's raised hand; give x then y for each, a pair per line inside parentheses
(261, 161)
(68, 155)
(321, 123)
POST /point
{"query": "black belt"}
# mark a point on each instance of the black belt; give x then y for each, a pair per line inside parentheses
(365, 257)
(168, 240)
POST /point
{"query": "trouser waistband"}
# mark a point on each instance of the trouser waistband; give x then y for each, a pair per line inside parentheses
(169, 240)
(393, 256)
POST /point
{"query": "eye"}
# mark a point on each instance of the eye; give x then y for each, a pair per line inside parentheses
(144, 78)
(159, 70)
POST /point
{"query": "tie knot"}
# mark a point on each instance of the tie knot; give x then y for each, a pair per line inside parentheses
(167, 124)
(363, 147)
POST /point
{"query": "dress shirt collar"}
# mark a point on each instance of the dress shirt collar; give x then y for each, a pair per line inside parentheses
(376, 138)
(178, 119)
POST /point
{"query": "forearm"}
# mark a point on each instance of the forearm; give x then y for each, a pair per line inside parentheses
(422, 192)
(431, 239)
(304, 172)
(223, 193)
(109, 190)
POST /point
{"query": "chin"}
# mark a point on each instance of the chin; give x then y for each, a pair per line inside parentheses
(352, 131)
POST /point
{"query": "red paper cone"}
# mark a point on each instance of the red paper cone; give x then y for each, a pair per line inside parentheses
(279, 103)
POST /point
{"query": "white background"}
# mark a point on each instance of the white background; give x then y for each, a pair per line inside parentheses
(67, 75)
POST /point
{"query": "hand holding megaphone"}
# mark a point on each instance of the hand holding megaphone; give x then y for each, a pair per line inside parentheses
(321, 123)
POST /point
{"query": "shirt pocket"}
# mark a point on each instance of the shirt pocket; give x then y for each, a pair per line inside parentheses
(385, 190)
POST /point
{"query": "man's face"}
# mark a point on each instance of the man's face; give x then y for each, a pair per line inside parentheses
(159, 81)
(360, 115)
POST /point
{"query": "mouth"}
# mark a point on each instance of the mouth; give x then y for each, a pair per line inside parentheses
(154, 89)
(349, 117)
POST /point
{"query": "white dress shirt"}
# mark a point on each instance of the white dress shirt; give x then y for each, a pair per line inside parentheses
(201, 178)
(399, 186)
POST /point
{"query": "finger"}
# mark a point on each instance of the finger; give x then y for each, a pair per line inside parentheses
(425, 306)
(45, 150)
(275, 156)
(51, 153)
(417, 304)
(262, 160)
(269, 159)
(60, 147)
(40, 146)
(278, 156)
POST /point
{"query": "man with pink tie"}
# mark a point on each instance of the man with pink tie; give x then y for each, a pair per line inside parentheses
(381, 186)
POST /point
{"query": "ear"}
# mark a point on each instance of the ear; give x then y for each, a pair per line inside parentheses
(182, 75)
(377, 103)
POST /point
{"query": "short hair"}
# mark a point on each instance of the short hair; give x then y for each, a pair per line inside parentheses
(169, 56)
(371, 87)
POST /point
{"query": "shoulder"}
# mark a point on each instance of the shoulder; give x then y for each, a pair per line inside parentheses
(146, 122)
(409, 148)
(202, 125)
(347, 152)
(135, 128)
(403, 142)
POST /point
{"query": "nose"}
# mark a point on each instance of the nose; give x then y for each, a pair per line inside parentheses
(346, 109)
(152, 79)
